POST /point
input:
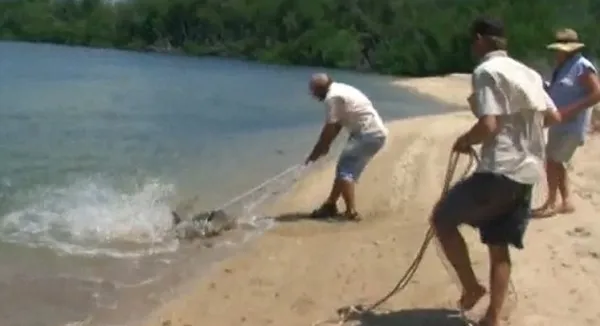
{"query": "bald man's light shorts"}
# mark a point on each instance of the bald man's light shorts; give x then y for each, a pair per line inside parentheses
(359, 150)
(562, 146)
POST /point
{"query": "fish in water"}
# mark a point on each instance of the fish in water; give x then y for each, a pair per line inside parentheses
(203, 225)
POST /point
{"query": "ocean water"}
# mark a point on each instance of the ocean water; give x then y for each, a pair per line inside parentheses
(97, 146)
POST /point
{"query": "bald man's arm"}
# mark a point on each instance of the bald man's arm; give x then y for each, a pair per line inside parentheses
(328, 134)
(330, 129)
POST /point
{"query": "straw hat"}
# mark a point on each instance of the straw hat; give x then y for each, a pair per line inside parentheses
(565, 40)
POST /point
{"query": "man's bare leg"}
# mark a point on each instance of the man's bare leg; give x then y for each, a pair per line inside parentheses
(455, 249)
(336, 191)
(329, 207)
(564, 188)
(344, 188)
(347, 191)
(500, 267)
(549, 207)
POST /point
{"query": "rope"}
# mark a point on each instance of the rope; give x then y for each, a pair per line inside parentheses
(354, 312)
(293, 168)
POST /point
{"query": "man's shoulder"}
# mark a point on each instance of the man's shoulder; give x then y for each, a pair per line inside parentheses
(503, 68)
(496, 65)
(582, 60)
(341, 88)
(585, 63)
(345, 91)
(336, 90)
(483, 74)
(488, 68)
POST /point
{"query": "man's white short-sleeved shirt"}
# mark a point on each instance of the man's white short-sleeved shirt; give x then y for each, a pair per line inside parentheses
(353, 110)
(514, 93)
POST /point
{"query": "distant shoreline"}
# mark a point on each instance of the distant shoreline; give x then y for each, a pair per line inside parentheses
(178, 51)
(449, 88)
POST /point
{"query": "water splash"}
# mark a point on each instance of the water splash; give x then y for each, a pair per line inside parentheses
(92, 218)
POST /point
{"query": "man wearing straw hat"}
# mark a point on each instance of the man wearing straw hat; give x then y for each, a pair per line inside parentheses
(511, 106)
(575, 89)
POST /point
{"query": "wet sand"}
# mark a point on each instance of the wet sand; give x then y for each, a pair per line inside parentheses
(302, 270)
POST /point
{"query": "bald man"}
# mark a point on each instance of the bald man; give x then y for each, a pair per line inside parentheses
(345, 107)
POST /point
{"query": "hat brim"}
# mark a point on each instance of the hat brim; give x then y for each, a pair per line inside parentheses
(565, 47)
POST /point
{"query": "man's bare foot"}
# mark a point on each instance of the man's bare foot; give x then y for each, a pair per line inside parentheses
(470, 298)
(546, 210)
(566, 208)
(547, 204)
(352, 216)
(489, 320)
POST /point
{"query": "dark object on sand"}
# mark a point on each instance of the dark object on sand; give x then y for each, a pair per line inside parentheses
(203, 225)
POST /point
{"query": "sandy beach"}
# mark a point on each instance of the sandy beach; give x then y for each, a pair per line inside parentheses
(303, 270)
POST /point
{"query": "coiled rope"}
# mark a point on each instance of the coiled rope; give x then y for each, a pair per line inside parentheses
(354, 312)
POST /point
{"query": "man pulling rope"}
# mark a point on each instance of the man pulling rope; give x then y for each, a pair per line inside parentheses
(346, 107)
(511, 106)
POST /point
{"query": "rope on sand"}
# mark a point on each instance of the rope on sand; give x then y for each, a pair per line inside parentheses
(354, 312)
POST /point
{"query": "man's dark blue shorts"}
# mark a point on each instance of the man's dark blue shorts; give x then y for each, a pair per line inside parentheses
(498, 206)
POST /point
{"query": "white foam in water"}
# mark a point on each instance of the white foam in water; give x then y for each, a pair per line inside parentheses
(115, 284)
(93, 218)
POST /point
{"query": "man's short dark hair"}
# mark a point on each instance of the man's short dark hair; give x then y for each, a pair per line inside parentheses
(485, 26)
(492, 30)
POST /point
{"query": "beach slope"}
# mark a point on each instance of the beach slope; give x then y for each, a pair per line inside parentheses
(302, 271)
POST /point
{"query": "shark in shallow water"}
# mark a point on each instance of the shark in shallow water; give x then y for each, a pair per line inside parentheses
(203, 225)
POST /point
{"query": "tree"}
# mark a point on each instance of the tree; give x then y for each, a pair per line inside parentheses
(409, 37)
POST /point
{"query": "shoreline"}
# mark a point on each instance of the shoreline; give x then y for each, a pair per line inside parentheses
(452, 89)
(302, 270)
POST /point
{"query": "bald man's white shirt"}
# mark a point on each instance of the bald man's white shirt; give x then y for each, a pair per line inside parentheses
(351, 108)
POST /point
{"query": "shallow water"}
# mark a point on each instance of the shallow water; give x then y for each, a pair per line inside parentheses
(98, 145)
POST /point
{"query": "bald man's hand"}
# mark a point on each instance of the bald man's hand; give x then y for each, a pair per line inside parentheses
(321, 148)
(316, 154)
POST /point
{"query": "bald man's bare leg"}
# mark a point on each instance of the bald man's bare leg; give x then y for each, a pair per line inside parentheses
(345, 189)
(329, 207)
(336, 192)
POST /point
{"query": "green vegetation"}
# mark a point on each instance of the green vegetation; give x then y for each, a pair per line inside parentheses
(408, 37)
